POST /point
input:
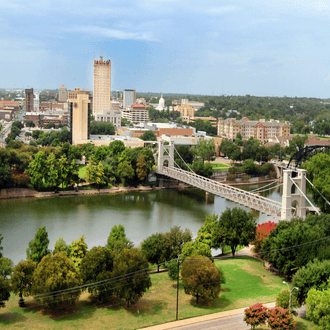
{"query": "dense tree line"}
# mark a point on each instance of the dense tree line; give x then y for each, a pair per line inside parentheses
(101, 128)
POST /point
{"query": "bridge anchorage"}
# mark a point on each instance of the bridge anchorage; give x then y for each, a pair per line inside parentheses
(280, 211)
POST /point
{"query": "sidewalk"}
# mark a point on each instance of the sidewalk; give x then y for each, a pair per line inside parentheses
(201, 319)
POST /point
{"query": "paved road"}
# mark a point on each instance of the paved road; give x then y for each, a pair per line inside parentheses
(228, 323)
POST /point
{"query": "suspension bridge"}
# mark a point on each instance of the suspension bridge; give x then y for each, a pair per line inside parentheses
(280, 211)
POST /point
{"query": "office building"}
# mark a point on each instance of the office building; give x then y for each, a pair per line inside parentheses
(129, 97)
(62, 94)
(101, 85)
(79, 123)
(29, 100)
(136, 113)
(36, 102)
(110, 116)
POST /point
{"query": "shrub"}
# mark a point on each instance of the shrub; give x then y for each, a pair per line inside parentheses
(283, 300)
(256, 315)
(279, 318)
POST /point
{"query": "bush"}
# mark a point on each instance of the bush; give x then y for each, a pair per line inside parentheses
(279, 318)
(283, 300)
(256, 315)
(231, 177)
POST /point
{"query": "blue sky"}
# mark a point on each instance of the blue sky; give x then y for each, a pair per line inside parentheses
(209, 47)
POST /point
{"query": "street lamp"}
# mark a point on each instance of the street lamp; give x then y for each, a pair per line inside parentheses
(290, 294)
(177, 290)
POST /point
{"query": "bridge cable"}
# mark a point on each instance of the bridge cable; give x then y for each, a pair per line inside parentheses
(183, 160)
(171, 157)
(265, 185)
(304, 195)
(317, 190)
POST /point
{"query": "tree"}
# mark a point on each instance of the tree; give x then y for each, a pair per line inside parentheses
(195, 248)
(125, 171)
(318, 172)
(279, 318)
(38, 247)
(148, 136)
(235, 227)
(313, 275)
(201, 278)
(21, 280)
(318, 307)
(29, 123)
(173, 270)
(174, 240)
(154, 247)
(297, 232)
(249, 167)
(97, 266)
(60, 246)
(102, 128)
(37, 170)
(206, 232)
(205, 150)
(141, 168)
(4, 291)
(6, 268)
(117, 240)
(77, 250)
(262, 232)
(53, 274)
(50, 125)
(133, 263)
(116, 148)
(256, 315)
(95, 173)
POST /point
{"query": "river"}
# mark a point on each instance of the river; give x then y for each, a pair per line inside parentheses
(141, 213)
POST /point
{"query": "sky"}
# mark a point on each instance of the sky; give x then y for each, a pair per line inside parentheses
(238, 47)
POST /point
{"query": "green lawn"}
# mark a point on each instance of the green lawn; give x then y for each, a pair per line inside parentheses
(82, 171)
(220, 166)
(247, 283)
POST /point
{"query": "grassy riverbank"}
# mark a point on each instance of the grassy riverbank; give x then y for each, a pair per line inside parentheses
(247, 283)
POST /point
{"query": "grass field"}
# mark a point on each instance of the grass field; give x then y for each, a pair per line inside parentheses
(246, 283)
(220, 167)
(82, 171)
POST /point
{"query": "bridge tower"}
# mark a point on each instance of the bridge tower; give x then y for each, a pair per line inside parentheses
(288, 197)
(165, 153)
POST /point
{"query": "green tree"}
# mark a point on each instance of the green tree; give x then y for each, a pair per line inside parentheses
(318, 307)
(6, 268)
(4, 291)
(318, 172)
(21, 280)
(95, 173)
(97, 266)
(314, 274)
(205, 234)
(117, 240)
(173, 270)
(50, 125)
(174, 240)
(37, 170)
(38, 247)
(102, 128)
(77, 250)
(235, 227)
(201, 278)
(296, 232)
(60, 246)
(141, 168)
(133, 264)
(154, 247)
(29, 123)
(116, 148)
(205, 150)
(283, 300)
(125, 171)
(195, 248)
(148, 136)
(56, 273)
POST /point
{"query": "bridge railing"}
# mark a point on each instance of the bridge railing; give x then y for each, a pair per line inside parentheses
(214, 187)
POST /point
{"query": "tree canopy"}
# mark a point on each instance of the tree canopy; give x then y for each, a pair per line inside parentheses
(38, 247)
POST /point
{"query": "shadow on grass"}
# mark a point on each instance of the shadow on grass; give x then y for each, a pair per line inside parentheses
(11, 318)
(226, 289)
(146, 307)
(220, 303)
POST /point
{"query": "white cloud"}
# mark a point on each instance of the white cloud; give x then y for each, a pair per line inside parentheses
(112, 33)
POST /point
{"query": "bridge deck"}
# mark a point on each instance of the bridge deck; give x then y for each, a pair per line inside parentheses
(237, 195)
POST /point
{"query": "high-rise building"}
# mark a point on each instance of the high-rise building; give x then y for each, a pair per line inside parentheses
(29, 100)
(101, 85)
(62, 94)
(129, 97)
(79, 123)
(36, 102)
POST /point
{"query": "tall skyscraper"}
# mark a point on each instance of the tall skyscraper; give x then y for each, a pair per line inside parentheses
(29, 100)
(129, 97)
(62, 94)
(101, 85)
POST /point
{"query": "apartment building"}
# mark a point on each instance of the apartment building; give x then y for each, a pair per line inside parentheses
(137, 113)
(262, 130)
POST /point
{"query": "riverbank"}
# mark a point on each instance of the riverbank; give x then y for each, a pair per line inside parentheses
(11, 193)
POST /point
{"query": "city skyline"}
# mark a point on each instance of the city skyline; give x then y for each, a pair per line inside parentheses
(243, 47)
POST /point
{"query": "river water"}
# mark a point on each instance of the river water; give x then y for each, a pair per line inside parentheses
(141, 213)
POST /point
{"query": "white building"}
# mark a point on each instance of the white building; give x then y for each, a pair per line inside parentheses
(36, 102)
(109, 116)
(129, 97)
